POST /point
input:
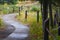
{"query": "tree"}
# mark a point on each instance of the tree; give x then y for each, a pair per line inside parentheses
(1, 1)
(44, 8)
(8, 1)
(50, 13)
(12, 1)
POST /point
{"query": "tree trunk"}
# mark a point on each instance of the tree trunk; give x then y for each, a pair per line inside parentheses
(45, 16)
(50, 14)
(58, 21)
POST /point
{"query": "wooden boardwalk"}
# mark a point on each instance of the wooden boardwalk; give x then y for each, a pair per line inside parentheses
(21, 31)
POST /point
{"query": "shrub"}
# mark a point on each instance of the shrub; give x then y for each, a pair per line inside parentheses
(58, 37)
(35, 8)
(1, 24)
(9, 1)
(12, 1)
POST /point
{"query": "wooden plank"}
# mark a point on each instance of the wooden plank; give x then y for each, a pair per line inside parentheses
(37, 16)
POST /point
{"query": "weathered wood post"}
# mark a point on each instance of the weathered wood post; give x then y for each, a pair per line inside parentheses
(26, 14)
(13, 10)
(0, 10)
(37, 16)
(21, 7)
(19, 11)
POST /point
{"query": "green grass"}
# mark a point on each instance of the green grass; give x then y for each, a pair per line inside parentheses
(2, 25)
(36, 31)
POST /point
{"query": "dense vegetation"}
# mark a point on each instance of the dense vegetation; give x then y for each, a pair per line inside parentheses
(36, 29)
(2, 25)
(8, 1)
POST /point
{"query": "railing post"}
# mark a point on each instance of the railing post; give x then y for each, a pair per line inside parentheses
(13, 9)
(21, 7)
(19, 11)
(26, 14)
(46, 34)
(37, 16)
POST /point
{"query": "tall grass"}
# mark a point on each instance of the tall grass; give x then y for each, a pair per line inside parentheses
(36, 31)
(2, 25)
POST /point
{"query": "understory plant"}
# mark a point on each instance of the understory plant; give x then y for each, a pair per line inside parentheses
(1, 24)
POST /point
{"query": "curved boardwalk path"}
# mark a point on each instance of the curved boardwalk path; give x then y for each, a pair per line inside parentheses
(21, 31)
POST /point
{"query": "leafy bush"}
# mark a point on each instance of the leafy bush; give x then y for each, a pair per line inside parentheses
(12, 1)
(36, 32)
(58, 37)
(1, 1)
(35, 8)
(9, 1)
(5, 9)
(1, 23)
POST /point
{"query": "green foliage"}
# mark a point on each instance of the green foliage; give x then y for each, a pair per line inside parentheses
(12, 1)
(9, 1)
(1, 1)
(35, 8)
(57, 2)
(58, 38)
(1, 23)
(36, 32)
(5, 9)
